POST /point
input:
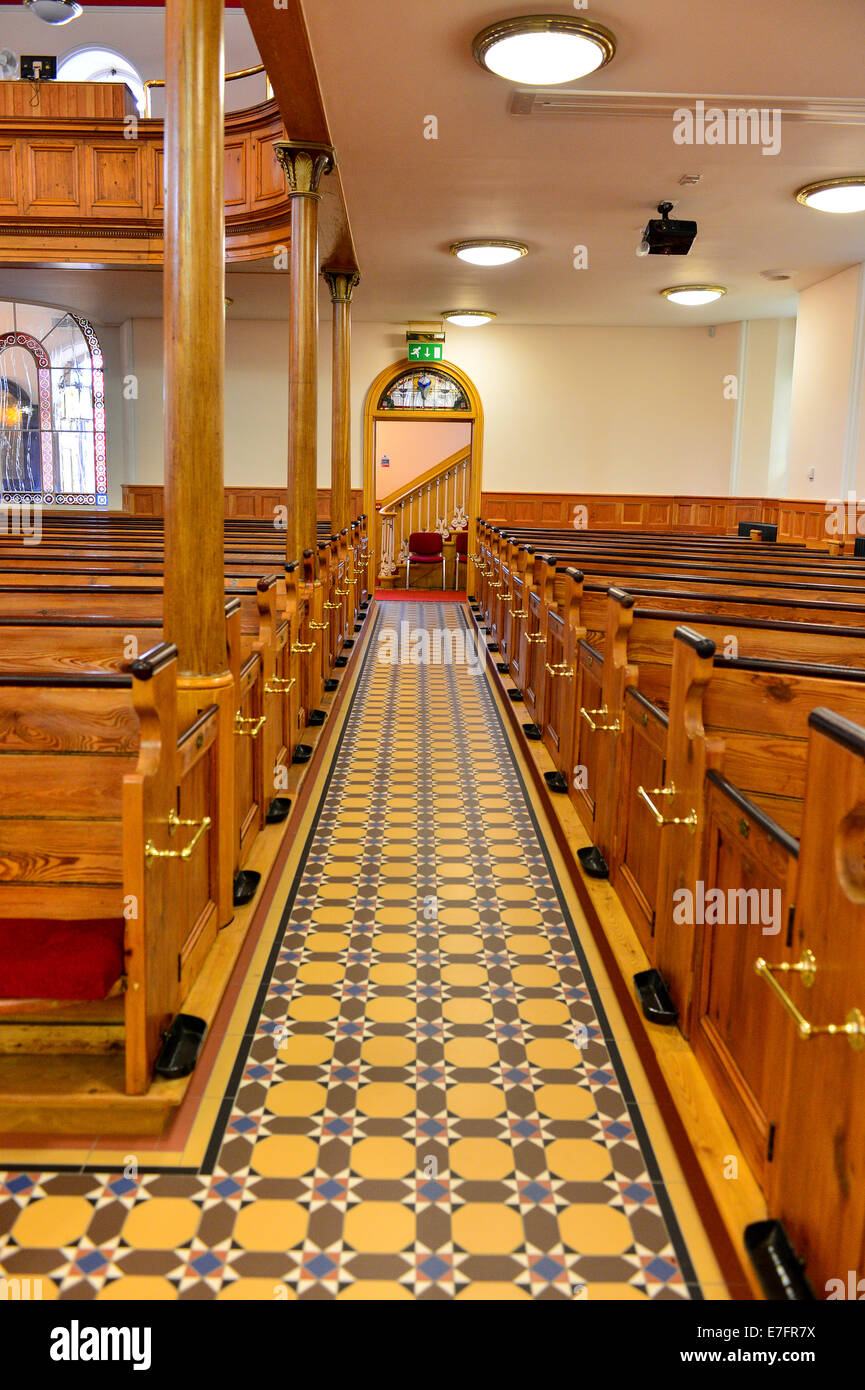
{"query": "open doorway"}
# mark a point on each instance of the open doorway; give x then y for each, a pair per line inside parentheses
(422, 447)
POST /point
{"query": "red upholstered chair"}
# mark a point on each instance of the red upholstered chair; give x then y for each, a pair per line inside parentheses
(461, 541)
(425, 547)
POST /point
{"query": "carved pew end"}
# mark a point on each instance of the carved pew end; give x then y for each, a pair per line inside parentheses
(556, 781)
(316, 718)
(655, 999)
(302, 753)
(245, 887)
(330, 685)
(180, 1049)
(278, 810)
(532, 733)
(776, 1263)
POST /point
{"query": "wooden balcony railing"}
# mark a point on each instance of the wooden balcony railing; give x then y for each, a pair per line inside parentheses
(89, 190)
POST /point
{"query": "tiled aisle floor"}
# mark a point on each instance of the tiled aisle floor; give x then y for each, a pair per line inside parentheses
(427, 1101)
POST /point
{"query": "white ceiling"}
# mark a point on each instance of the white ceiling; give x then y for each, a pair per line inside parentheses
(557, 181)
(552, 181)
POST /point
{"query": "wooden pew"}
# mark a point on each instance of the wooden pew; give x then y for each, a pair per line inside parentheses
(94, 769)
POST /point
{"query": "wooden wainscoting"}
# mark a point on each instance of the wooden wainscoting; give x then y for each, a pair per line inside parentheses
(242, 503)
(797, 520)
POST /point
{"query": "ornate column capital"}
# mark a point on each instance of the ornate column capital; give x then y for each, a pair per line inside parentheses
(305, 165)
(341, 283)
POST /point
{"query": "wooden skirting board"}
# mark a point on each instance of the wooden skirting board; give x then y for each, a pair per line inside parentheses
(83, 1094)
(699, 1131)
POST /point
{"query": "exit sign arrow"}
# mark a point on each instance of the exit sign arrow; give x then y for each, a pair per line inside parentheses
(425, 352)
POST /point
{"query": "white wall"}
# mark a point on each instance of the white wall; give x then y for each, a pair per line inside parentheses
(599, 409)
(761, 455)
(825, 349)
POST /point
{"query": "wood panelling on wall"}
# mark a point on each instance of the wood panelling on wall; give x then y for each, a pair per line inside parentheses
(244, 503)
(797, 520)
(75, 184)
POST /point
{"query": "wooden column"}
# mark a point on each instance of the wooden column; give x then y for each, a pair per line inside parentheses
(341, 284)
(304, 164)
(194, 334)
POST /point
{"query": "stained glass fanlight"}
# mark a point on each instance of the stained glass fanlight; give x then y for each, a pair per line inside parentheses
(424, 390)
(52, 408)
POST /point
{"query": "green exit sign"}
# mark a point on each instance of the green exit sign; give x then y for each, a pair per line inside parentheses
(425, 352)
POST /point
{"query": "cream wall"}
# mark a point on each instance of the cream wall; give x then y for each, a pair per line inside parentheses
(765, 376)
(611, 409)
(824, 385)
(414, 446)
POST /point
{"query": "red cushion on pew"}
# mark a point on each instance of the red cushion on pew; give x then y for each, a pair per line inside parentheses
(42, 959)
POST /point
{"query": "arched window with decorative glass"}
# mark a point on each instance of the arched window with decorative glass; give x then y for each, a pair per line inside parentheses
(52, 408)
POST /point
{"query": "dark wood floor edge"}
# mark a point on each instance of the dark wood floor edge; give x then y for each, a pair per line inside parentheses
(723, 1248)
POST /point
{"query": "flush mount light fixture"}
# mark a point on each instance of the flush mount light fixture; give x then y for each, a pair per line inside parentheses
(835, 195)
(54, 11)
(693, 294)
(489, 252)
(775, 274)
(468, 318)
(543, 50)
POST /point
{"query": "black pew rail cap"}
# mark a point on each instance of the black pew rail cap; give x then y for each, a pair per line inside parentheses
(88, 621)
(575, 574)
(621, 596)
(85, 680)
(703, 646)
(529, 549)
(307, 554)
(232, 606)
(322, 545)
(145, 667)
(632, 693)
(291, 566)
(755, 813)
(267, 582)
(812, 669)
(548, 559)
(851, 736)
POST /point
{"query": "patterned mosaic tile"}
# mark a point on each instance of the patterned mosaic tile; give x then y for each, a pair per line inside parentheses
(428, 1102)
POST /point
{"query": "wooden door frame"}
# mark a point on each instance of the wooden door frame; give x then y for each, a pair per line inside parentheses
(475, 415)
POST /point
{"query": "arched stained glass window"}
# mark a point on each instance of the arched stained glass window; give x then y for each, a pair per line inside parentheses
(52, 408)
(424, 390)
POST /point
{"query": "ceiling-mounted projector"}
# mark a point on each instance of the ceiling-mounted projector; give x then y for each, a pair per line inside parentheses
(663, 237)
(54, 11)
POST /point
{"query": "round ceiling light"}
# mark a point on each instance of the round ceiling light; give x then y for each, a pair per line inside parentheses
(468, 318)
(693, 294)
(54, 11)
(834, 195)
(489, 252)
(543, 50)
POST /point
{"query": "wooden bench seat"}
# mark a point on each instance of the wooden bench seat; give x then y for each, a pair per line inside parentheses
(85, 835)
